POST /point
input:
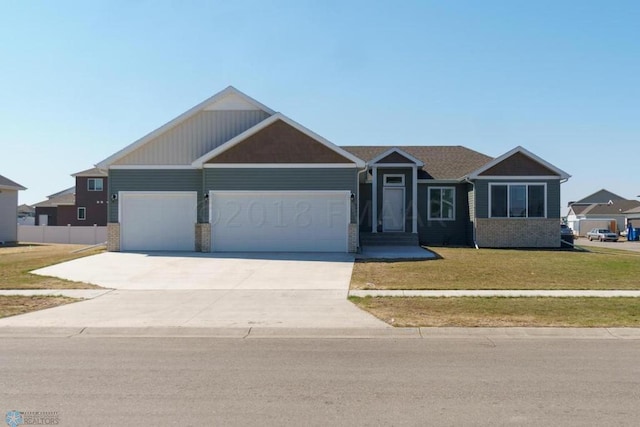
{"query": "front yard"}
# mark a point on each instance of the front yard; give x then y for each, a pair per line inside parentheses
(17, 261)
(491, 269)
(11, 305)
(504, 312)
(466, 268)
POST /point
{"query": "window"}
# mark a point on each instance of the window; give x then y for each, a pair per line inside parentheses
(517, 200)
(94, 184)
(82, 214)
(393, 180)
(442, 203)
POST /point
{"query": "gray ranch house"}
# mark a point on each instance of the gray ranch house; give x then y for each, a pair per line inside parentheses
(231, 174)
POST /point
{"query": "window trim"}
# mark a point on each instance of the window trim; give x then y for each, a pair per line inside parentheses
(95, 180)
(508, 185)
(393, 184)
(446, 187)
(81, 209)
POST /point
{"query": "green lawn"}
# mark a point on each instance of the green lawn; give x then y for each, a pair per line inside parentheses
(11, 305)
(467, 268)
(16, 263)
(503, 312)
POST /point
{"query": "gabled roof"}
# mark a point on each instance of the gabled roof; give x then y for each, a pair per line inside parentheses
(90, 173)
(562, 174)
(579, 208)
(439, 162)
(600, 196)
(632, 211)
(23, 208)
(62, 199)
(264, 124)
(616, 208)
(399, 152)
(229, 98)
(7, 184)
(70, 190)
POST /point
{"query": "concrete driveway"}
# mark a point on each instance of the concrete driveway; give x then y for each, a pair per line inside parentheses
(207, 290)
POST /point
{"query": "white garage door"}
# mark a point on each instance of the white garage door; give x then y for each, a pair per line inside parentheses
(282, 221)
(157, 221)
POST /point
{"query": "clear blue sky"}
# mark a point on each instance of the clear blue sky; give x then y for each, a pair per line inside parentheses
(81, 80)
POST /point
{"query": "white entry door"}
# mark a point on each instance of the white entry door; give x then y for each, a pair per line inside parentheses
(393, 215)
(43, 219)
(280, 221)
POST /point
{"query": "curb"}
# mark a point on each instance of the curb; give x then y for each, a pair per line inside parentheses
(323, 333)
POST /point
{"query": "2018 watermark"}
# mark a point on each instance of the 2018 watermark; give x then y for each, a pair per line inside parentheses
(31, 418)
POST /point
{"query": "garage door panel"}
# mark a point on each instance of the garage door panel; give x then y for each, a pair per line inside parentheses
(158, 221)
(280, 221)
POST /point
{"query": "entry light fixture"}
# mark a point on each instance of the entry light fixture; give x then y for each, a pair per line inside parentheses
(114, 197)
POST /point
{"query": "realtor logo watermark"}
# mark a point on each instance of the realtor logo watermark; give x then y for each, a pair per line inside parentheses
(22, 418)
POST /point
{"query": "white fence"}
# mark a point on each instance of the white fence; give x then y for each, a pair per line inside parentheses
(62, 234)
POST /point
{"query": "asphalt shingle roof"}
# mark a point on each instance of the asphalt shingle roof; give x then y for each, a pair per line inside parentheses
(440, 162)
(6, 182)
(63, 199)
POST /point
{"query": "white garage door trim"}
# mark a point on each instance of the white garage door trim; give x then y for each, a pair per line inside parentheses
(284, 237)
(157, 220)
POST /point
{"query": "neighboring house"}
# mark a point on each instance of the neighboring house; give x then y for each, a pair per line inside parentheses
(85, 204)
(9, 209)
(26, 215)
(633, 216)
(231, 174)
(600, 209)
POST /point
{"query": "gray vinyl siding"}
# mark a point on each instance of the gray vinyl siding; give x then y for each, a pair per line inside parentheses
(193, 138)
(482, 196)
(365, 207)
(438, 232)
(153, 180)
(273, 179)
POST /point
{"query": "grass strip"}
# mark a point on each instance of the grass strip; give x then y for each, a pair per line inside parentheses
(11, 305)
(503, 311)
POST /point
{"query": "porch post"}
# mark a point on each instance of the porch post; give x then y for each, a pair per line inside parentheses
(374, 200)
(414, 202)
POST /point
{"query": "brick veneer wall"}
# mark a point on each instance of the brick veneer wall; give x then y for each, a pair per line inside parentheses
(203, 237)
(353, 238)
(113, 237)
(518, 233)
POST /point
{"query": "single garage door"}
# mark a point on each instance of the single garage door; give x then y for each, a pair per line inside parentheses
(157, 221)
(280, 221)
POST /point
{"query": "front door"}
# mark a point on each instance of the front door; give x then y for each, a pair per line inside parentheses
(43, 219)
(393, 209)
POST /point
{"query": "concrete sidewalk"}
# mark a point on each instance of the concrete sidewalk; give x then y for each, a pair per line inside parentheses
(493, 293)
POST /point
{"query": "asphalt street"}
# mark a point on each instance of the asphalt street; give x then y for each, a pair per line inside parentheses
(99, 381)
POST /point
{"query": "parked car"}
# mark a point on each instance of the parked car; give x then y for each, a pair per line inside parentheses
(602, 234)
(566, 236)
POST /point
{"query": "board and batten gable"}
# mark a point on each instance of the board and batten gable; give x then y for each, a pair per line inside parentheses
(153, 180)
(193, 138)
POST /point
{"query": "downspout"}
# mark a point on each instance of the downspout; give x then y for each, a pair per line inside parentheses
(473, 185)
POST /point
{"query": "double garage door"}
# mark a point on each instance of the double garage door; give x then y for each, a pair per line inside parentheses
(256, 221)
